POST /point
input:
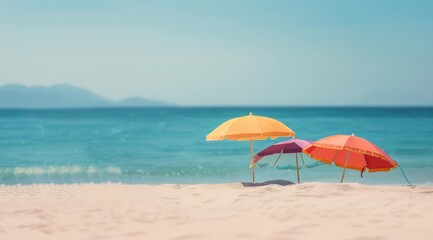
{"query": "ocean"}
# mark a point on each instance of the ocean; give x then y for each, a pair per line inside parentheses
(167, 145)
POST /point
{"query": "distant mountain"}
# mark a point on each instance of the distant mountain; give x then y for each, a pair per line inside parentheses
(63, 96)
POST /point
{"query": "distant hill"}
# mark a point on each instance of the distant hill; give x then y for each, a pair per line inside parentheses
(63, 96)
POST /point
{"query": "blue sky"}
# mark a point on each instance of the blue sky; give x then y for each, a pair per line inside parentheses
(225, 52)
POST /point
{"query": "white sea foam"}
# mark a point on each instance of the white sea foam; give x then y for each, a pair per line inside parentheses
(62, 170)
(114, 170)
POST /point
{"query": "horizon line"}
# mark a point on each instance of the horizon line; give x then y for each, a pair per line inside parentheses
(218, 106)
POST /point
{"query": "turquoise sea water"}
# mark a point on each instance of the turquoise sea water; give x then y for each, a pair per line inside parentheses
(167, 145)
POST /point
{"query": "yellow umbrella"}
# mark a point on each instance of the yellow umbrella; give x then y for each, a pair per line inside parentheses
(249, 128)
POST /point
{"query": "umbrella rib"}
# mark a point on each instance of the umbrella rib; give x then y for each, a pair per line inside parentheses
(344, 148)
(333, 158)
(228, 130)
(258, 126)
(278, 157)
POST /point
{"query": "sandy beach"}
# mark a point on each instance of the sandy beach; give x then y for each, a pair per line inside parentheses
(217, 211)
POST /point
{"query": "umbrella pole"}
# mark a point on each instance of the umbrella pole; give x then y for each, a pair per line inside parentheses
(345, 166)
(297, 168)
(252, 158)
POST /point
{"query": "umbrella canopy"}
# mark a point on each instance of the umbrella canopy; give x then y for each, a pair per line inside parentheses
(249, 128)
(289, 146)
(350, 152)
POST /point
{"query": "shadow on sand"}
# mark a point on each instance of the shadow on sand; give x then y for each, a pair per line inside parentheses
(277, 182)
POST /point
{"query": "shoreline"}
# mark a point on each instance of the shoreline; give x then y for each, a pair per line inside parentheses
(280, 182)
(215, 211)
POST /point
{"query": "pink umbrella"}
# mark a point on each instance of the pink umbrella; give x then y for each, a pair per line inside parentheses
(289, 146)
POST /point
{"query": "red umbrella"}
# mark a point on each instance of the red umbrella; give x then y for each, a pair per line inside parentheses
(350, 152)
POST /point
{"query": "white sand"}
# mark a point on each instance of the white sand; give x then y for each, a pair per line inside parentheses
(222, 211)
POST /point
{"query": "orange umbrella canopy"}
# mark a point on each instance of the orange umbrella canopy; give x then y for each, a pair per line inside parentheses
(350, 152)
(250, 127)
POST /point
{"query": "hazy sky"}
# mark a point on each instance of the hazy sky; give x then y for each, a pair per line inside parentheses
(225, 52)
